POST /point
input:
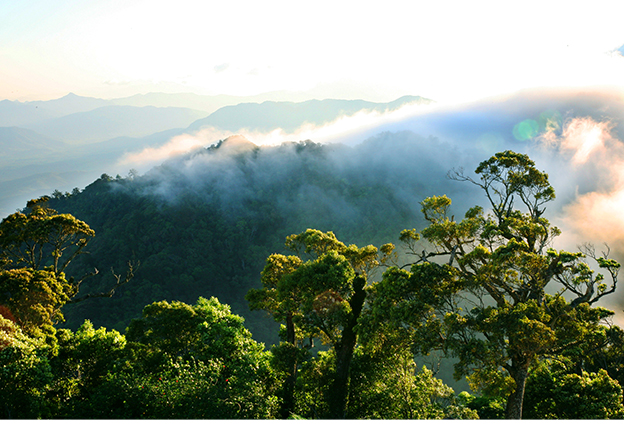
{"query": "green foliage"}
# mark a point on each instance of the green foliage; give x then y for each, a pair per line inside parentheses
(179, 390)
(25, 374)
(209, 339)
(321, 297)
(42, 237)
(487, 408)
(35, 298)
(607, 354)
(208, 230)
(199, 361)
(553, 392)
(387, 384)
(219, 372)
(501, 259)
(204, 331)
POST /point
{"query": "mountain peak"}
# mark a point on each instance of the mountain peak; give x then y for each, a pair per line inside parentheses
(74, 96)
(235, 144)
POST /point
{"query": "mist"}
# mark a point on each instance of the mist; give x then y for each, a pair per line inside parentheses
(345, 129)
(574, 136)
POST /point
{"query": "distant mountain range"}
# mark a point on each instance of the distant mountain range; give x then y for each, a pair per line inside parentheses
(70, 141)
(15, 113)
(19, 146)
(115, 121)
(289, 116)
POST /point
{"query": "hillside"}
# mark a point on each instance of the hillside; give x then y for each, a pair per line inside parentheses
(15, 113)
(113, 130)
(203, 225)
(19, 146)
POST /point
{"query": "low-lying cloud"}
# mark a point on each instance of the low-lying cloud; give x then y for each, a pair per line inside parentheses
(574, 136)
(345, 129)
(595, 215)
(584, 136)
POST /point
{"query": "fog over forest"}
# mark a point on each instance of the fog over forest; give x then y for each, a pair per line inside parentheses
(573, 136)
(242, 210)
(203, 210)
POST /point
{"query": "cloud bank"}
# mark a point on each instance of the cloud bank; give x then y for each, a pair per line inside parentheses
(574, 136)
(345, 130)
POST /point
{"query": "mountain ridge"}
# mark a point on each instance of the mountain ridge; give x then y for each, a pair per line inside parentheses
(113, 121)
(289, 116)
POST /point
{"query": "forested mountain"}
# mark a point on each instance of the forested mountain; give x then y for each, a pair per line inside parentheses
(203, 224)
(357, 246)
(74, 139)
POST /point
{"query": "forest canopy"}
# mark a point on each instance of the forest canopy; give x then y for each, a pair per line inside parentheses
(346, 326)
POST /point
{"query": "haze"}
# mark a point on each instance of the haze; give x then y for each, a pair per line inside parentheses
(544, 78)
(446, 51)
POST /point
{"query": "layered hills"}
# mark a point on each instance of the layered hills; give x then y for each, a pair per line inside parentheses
(74, 139)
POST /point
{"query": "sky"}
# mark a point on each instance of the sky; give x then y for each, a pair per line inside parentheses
(449, 51)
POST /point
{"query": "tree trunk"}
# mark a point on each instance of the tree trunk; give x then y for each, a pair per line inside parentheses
(339, 390)
(288, 397)
(519, 373)
(338, 393)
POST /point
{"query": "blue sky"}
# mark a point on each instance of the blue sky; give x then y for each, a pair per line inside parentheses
(449, 51)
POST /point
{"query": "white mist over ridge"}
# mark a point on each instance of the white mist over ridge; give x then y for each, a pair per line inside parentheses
(574, 136)
(345, 130)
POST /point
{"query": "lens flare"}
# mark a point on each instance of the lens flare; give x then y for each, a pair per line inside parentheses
(526, 130)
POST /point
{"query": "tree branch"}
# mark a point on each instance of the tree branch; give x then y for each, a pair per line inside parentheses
(111, 292)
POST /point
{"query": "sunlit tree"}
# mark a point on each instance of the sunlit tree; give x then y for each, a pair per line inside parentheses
(36, 246)
(528, 299)
(321, 297)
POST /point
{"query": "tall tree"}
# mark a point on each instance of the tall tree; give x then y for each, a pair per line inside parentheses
(320, 297)
(41, 237)
(207, 335)
(36, 246)
(502, 263)
(554, 390)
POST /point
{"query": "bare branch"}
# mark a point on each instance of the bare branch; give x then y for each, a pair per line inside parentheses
(119, 282)
(424, 257)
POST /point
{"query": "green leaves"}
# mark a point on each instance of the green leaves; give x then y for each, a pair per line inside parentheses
(235, 380)
(42, 237)
(555, 392)
(320, 297)
(35, 298)
(505, 261)
(435, 208)
(508, 173)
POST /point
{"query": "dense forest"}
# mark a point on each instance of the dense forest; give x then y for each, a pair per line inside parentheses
(305, 281)
(204, 224)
